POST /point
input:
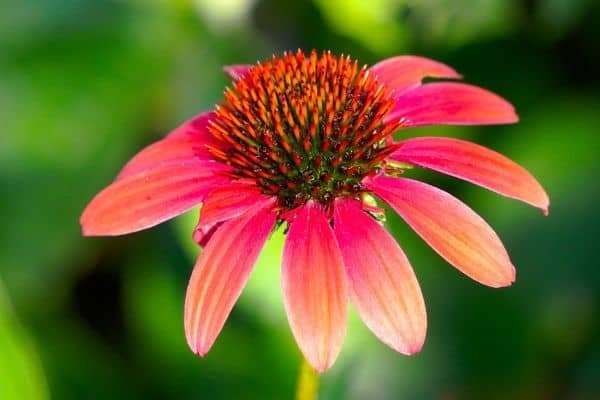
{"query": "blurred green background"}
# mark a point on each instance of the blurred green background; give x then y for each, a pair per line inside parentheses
(84, 84)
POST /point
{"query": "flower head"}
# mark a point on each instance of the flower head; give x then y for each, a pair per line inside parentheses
(304, 128)
(305, 141)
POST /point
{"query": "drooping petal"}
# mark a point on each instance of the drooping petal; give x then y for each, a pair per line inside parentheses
(403, 73)
(224, 203)
(186, 143)
(235, 72)
(451, 228)
(381, 282)
(314, 287)
(221, 273)
(473, 163)
(203, 233)
(146, 199)
(229, 201)
(450, 103)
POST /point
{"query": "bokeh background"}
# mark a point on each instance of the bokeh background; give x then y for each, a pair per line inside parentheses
(84, 84)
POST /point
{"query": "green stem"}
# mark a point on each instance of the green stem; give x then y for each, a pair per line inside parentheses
(308, 382)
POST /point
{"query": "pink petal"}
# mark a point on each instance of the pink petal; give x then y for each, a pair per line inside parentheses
(196, 126)
(186, 143)
(451, 104)
(403, 73)
(382, 284)
(230, 201)
(451, 228)
(235, 72)
(221, 273)
(203, 233)
(140, 201)
(164, 152)
(223, 204)
(473, 163)
(314, 287)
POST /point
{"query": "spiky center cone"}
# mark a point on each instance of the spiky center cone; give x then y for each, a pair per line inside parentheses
(304, 127)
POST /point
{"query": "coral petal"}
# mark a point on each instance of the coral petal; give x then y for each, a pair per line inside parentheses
(314, 287)
(473, 163)
(229, 201)
(203, 233)
(141, 201)
(235, 72)
(164, 152)
(195, 127)
(451, 103)
(186, 143)
(381, 282)
(451, 228)
(403, 73)
(221, 273)
(223, 204)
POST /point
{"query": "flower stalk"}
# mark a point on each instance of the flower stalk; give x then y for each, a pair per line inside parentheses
(307, 387)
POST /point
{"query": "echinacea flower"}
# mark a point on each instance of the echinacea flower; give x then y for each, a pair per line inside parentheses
(305, 141)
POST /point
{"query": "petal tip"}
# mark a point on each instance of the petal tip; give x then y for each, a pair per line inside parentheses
(505, 281)
(88, 228)
(229, 71)
(410, 349)
(196, 345)
(540, 198)
(83, 226)
(322, 368)
(86, 231)
(199, 351)
(235, 72)
(545, 206)
(508, 115)
(448, 73)
(321, 365)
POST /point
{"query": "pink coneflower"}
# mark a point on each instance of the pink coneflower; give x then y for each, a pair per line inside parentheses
(305, 142)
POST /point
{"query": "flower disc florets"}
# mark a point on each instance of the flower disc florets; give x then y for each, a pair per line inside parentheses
(304, 127)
